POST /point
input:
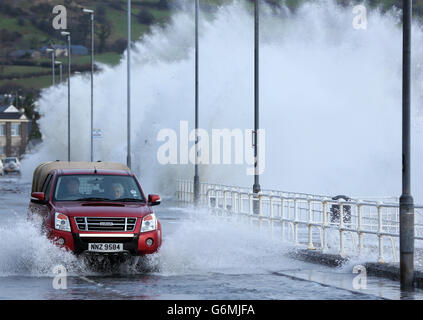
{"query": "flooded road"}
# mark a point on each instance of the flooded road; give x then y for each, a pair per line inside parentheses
(202, 257)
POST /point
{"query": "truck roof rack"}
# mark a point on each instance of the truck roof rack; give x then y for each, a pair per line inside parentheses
(45, 168)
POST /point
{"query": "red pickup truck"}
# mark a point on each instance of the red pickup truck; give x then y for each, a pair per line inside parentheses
(95, 208)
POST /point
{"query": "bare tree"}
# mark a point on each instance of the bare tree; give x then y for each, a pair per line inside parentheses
(104, 30)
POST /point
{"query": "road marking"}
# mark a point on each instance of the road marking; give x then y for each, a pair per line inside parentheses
(103, 286)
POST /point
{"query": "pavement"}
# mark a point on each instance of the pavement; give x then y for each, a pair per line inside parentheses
(389, 271)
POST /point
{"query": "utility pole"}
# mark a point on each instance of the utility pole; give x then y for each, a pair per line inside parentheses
(68, 35)
(17, 100)
(128, 159)
(406, 200)
(256, 186)
(196, 176)
(91, 13)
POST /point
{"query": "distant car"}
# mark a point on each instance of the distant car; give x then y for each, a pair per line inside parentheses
(1, 168)
(12, 164)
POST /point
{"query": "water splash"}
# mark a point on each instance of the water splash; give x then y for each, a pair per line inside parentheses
(330, 100)
(215, 244)
(28, 252)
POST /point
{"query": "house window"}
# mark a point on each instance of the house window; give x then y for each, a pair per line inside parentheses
(15, 129)
(2, 129)
(2, 151)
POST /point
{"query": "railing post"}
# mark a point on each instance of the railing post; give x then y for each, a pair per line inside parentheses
(250, 199)
(325, 225)
(360, 228)
(208, 199)
(260, 210)
(250, 209)
(379, 232)
(341, 229)
(239, 204)
(225, 200)
(183, 190)
(178, 183)
(283, 218)
(310, 226)
(261, 204)
(216, 197)
(295, 222)
(193, 193)
(271, 215)
(201, 200)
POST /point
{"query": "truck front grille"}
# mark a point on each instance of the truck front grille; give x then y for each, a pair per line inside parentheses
(105, 224)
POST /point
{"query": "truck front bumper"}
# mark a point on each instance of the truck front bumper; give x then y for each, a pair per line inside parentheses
(138, 244)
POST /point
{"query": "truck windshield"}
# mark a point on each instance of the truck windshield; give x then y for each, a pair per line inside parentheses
(97, 187)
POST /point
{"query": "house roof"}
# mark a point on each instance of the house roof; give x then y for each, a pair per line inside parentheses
(11, 113)
(20, 53)
(8, 109)
(74, 47)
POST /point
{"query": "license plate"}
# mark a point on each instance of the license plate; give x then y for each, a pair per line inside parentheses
(105, 247)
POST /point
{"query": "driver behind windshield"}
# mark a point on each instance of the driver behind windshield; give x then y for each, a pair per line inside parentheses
(71, 191)
(118, 190)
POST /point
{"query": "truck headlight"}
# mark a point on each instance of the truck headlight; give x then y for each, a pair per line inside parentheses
(61, 222)
(149, 223)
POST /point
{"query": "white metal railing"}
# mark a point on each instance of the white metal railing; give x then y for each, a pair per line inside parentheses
(347, 227)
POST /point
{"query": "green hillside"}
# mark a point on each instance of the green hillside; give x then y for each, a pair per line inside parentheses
(27, 25)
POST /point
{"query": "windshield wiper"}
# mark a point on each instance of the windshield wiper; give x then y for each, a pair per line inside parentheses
(129, 200)
(93, 199)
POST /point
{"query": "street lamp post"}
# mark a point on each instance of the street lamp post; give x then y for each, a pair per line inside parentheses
(53, 56)
(17, 98)
(406, 200)
(128, 159)
(256, 186)
(68, 35)
(196, 175)
(60, 64)
(91, 12)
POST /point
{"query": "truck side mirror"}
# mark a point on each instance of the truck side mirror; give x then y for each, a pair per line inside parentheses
(38, 196)
(154, 200)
